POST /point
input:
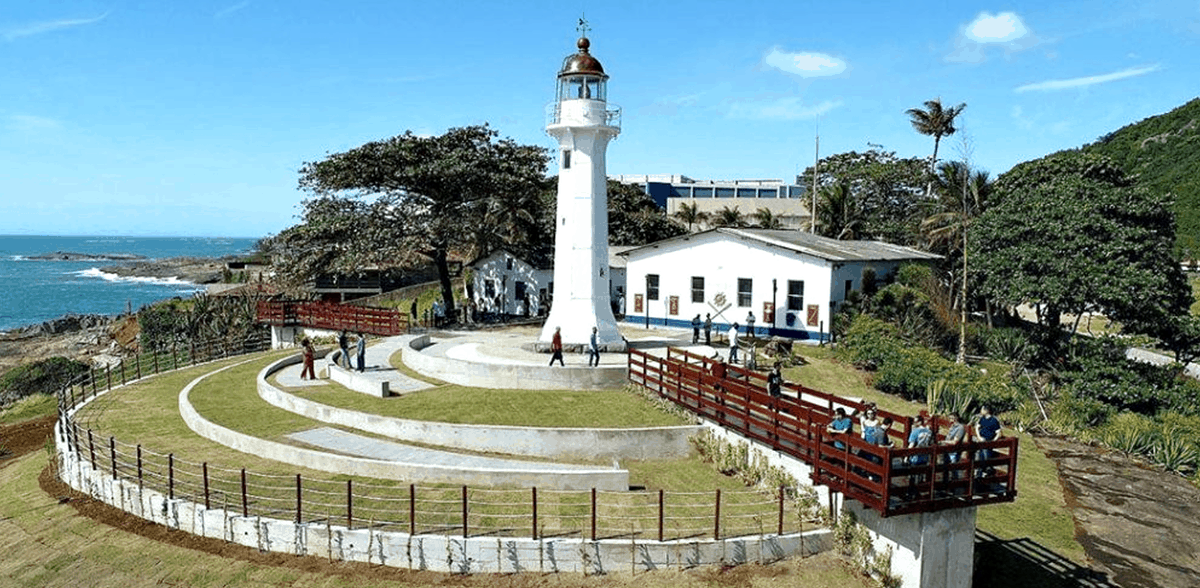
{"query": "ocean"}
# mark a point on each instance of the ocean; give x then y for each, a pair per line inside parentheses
(34, 291)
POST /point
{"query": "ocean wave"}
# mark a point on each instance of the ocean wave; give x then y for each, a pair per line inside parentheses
(95, 272)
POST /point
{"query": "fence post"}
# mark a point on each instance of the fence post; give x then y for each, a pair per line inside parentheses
(593, 514)
(464, 510)
(780, 532)
(108, 376)
(245, 504)
(155, 356)
(93, 374)
(661, 503)
(298, 513)
(412, 509)
(112, 453)
(535, 526)
(122, 365)
(174, 355)
(139, 466)
(92, 449)
(204, 467)
(137, 361)
(717, 517)
(349, 505)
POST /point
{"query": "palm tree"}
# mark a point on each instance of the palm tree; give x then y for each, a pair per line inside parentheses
(765, 219)
(689, 214)
(838, 214)
(961, 195)
(937, 122)
(729, 217)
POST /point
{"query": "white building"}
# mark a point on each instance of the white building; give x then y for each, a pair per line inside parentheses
(790, 280)
(502, 282)
(788, 202)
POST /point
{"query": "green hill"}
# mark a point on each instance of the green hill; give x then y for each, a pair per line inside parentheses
(1164, 151)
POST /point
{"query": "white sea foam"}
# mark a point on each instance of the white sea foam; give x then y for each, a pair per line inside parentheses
(95, 272)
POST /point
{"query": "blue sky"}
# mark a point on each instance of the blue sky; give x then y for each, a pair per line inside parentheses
(192, 118)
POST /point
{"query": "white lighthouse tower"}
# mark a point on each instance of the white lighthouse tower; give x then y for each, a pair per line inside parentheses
(583, 123)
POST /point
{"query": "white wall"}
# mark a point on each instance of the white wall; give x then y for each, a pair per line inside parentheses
(495, 267)
(722, 260)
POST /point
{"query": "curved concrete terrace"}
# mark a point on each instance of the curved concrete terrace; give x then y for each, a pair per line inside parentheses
(548, 442)
(506, 359)
(437, 467)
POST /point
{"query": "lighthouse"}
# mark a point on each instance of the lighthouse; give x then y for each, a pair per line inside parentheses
(583, 122)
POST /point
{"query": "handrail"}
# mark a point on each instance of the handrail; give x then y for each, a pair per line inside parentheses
(887, 479)
(335, 317)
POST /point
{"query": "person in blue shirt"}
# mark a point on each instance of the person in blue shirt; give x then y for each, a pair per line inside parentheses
(362, 352)
(987, 428)
(840, 425)
(920, 436)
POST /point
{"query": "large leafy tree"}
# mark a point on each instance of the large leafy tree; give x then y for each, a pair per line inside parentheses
(1071, 232)
(634, 218)
(936, 121)
(888, 191)
(388, 201)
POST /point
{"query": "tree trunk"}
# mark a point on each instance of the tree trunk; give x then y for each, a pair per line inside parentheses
(443, 269)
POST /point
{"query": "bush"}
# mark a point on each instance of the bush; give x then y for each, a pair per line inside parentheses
(1074, 415)
(46, 377)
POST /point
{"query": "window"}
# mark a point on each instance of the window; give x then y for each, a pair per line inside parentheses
(520, 290)
(702, 192)
(849, 288)
(489, 289)
(566, 162)
(652, 286)
(681, 191)
(697, 288)
(725, 192)
(745, 193)
(795, 295)
(508, 263)
(745, 290)
(767, 193)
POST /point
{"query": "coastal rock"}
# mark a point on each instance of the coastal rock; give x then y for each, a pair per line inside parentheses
(72, 256)
(196, 270)
(69, 323)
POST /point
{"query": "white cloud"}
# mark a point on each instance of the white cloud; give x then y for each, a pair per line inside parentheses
(1051, 85)
(789, 108)
(31, 123)
(1005, 30)
(1005, 27)
(49, 26)
(804, 64)
(228, 10)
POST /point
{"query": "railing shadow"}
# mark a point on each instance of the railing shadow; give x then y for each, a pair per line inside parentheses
(1024, 562)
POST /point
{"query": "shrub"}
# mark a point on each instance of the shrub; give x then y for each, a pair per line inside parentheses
(1075, 415)
(1131, 433)
(46, 377)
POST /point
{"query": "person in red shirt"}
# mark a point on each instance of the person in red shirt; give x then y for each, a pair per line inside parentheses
(556, 347)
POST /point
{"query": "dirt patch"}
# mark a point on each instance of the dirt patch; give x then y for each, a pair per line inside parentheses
(24, 437)
(1137, 522)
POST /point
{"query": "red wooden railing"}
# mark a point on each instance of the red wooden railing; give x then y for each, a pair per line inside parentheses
(335, 317)
(889, 480)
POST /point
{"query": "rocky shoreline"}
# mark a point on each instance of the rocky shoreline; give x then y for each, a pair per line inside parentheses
(196, 270)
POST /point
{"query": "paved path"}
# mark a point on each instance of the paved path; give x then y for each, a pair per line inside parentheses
(379, 368)
(370, 447)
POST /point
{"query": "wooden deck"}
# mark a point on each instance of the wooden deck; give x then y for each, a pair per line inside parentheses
(889, 480)
(334, 317)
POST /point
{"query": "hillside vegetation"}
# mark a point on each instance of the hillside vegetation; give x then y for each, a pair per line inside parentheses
(1164, 151)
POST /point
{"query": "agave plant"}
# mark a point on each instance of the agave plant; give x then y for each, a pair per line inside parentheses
(1176, 452)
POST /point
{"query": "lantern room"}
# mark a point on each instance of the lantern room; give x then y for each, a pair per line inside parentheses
(582, 77)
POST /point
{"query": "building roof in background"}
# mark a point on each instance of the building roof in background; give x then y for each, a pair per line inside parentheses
(809, 244)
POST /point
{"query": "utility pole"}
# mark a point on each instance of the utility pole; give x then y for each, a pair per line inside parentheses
(816, 163)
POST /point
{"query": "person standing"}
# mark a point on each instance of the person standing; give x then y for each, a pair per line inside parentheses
(733, 343)
(344, 346)
(556, 347)
(987, 428)
(594, 348)
(362, 352)
(955, 436)
(775, 381)
(839, 425)
(414, 310)
(750, 323)
(308, 373)
(696, 329)
(708, 329)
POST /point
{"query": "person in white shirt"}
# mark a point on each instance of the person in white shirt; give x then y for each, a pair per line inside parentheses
(733, 343)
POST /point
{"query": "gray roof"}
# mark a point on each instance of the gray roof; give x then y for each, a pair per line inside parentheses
(813, 245)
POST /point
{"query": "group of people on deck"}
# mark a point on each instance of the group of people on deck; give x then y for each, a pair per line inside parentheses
(875, 431)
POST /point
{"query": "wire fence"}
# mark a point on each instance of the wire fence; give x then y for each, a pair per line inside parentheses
(409, 507)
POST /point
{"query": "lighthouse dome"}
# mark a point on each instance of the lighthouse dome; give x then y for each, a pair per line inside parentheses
(582, 62)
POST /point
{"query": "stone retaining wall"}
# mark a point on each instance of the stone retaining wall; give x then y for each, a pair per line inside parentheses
(555, 443)
(440, 553)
